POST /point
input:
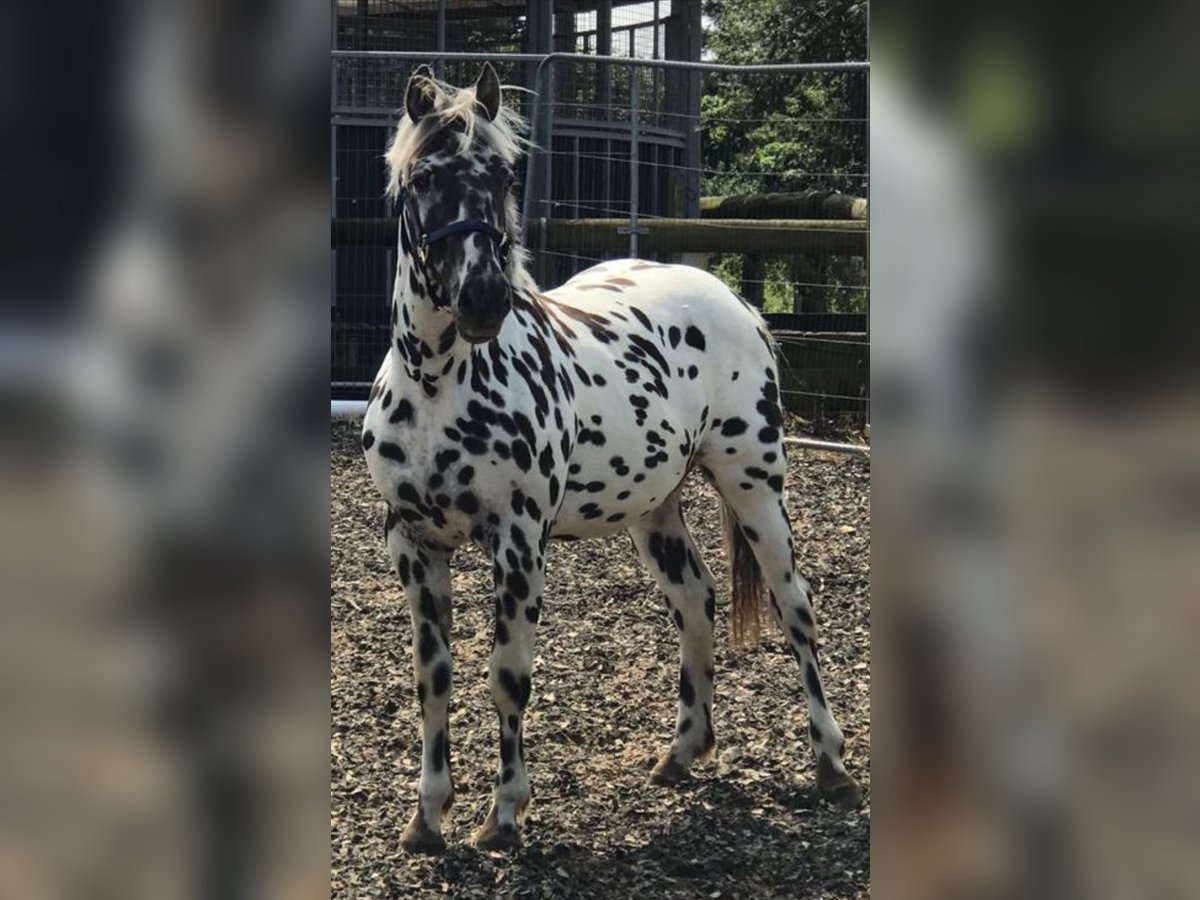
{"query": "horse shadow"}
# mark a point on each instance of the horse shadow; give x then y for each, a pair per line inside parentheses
(719, 841)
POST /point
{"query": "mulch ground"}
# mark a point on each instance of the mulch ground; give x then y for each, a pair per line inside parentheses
(749, 824)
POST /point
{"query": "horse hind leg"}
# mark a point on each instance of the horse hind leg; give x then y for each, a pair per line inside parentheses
(750, 481)
(666, 548)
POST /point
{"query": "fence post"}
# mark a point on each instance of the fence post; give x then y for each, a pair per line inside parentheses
(439, 64)
(546, 183)
(333, 167)
(531, 156)
(634, 100)
(633, 230)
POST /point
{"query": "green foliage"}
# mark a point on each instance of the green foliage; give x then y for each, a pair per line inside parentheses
(765, 31)
(789, 132)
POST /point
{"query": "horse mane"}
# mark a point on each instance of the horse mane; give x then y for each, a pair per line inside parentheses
(455, 107)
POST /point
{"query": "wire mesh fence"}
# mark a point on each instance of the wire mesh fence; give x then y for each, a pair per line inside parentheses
(759, 175)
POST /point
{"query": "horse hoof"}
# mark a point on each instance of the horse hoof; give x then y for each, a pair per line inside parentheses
(668, 772)
(839, 788)
(420, 838)
(498, 837)
(493, 836)
(847, 796)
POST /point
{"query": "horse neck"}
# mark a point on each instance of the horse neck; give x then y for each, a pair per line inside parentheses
(423, 335)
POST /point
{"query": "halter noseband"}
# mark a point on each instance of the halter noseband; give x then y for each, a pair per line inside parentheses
(462, 226)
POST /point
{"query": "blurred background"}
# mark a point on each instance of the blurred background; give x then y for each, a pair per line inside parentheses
(166, 286)
(1034, 416)
(164, 527)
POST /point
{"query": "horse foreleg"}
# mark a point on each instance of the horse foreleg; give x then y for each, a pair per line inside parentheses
(425, 575)
(519, 571)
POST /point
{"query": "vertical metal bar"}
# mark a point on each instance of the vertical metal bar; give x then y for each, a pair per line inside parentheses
(333, 102)
(693, 88)
(608, 174)
(575, 164)
(870, 205)
(604, 48)
(547, 136)
(655, 73)
(543, 259)
(389, 271)
(333, 205)
(634, 99)
(439, 65)
(655, 165)
(333, 96)
(547, 130)
(531, 157)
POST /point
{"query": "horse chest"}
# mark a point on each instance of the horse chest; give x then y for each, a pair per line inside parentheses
(449, 474)
(420, 471)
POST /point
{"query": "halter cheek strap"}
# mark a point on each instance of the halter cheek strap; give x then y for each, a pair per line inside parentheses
(462, 226)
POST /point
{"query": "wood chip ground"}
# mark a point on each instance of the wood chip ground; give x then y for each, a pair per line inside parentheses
(749, 824)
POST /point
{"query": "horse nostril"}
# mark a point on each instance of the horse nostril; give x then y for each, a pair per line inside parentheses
(485, 298)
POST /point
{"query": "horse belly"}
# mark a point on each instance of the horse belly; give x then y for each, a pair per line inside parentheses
(613, 484)
(590, 515)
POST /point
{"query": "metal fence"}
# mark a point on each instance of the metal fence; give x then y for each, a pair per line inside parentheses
(647, 157)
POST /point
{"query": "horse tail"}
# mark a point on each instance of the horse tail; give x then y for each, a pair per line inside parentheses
(745, 582)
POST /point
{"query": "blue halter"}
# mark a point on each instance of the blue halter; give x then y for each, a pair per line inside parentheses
(462, 226)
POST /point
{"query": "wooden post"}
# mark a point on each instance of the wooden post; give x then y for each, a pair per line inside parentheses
(752, 279)
(809, 270)
(564, 33)
(798, 205)
(683, 33)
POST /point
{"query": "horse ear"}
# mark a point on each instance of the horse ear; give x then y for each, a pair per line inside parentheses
(487, 91)
(420, 94)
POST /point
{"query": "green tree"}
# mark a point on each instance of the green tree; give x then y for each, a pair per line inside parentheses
(790, 132)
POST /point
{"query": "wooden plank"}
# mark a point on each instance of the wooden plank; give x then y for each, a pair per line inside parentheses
(803, 204)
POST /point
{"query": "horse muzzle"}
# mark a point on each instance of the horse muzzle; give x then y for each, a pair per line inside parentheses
(483, 305)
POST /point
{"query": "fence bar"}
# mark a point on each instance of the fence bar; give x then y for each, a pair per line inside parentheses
(347, 409)
(543, 58)
(634, 100)
(837, 237)
(531, 160)
(830, 446)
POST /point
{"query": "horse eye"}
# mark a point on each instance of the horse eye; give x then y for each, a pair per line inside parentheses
(420, 181)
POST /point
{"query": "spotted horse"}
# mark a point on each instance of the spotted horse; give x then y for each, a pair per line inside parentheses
(508, 417)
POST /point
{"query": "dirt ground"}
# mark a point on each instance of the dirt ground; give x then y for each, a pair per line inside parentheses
(749, 824)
